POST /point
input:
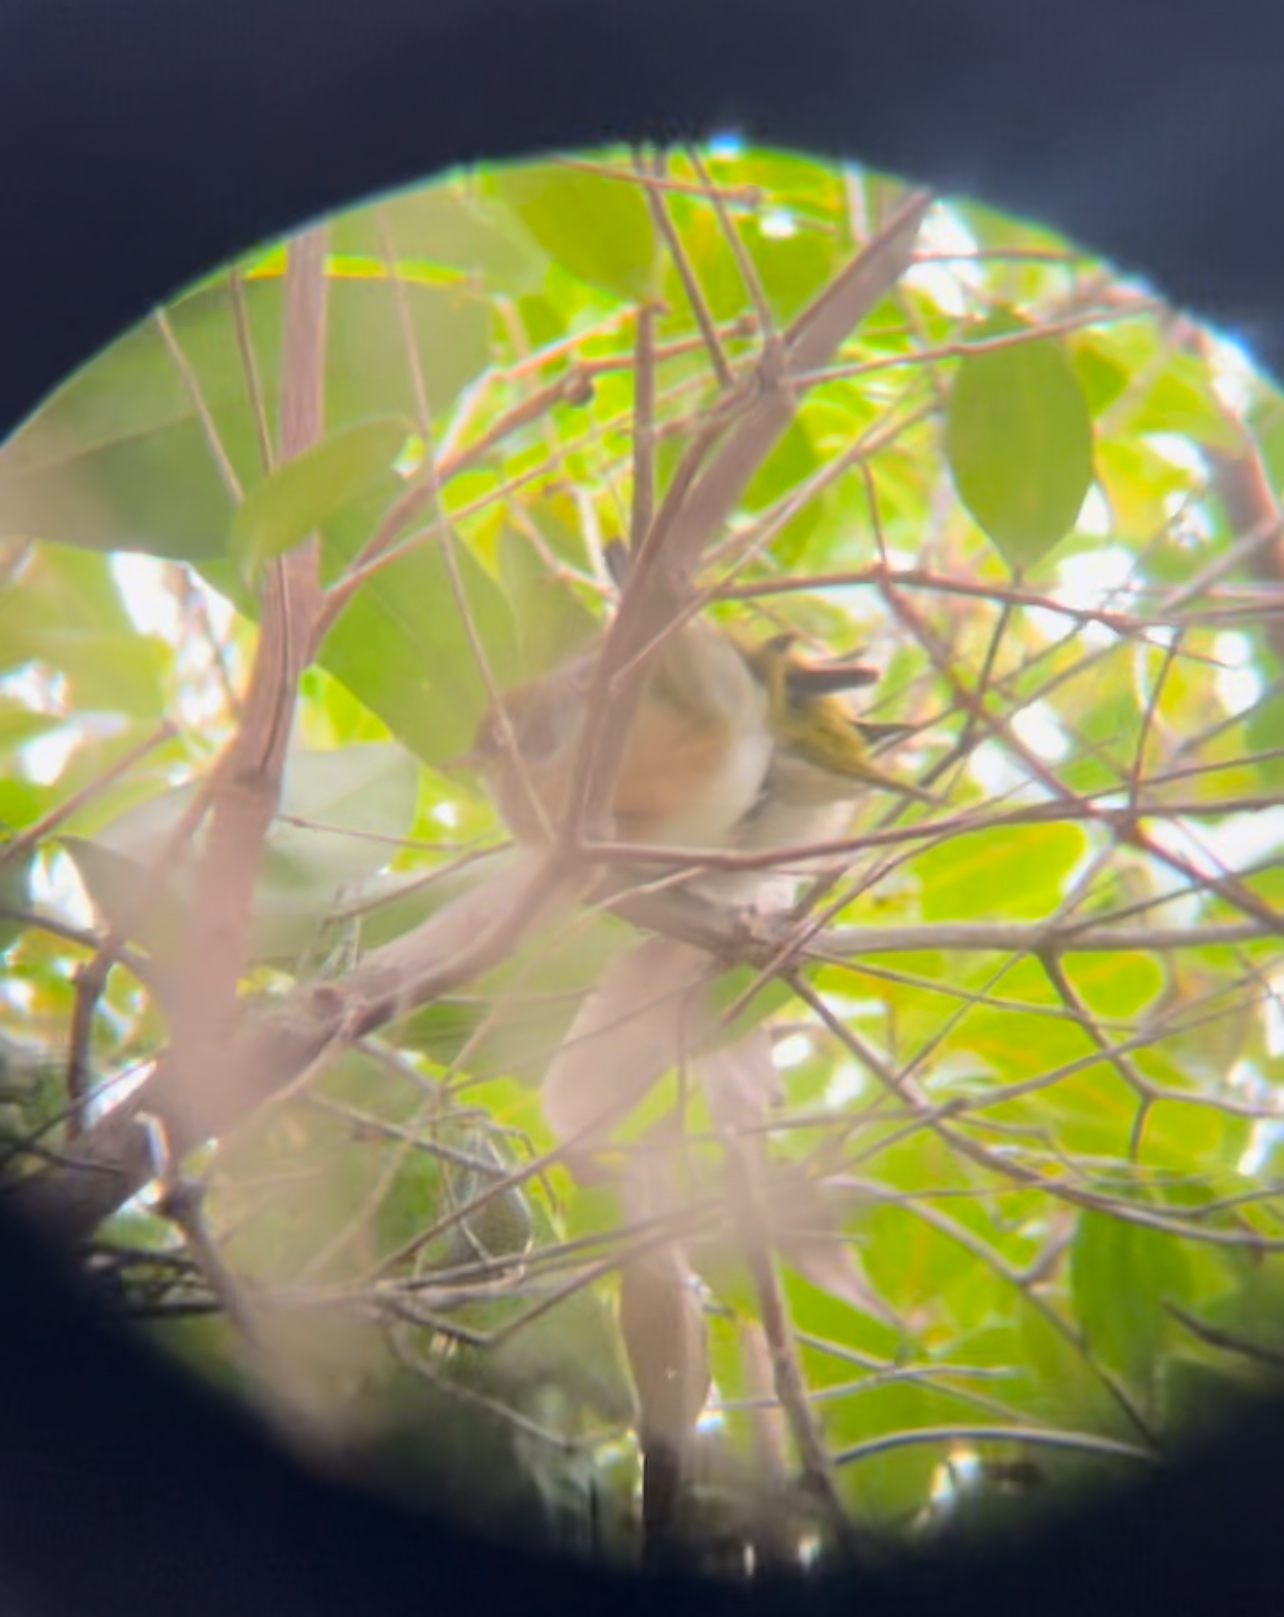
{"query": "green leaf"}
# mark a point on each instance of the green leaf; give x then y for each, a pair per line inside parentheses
(15, 889)
(888, 1487)
(1013, 874)
(1101, 376)
(1122, 1274)
(793, 268)
(1064, 1388)
(1019, 441)
(1201, 1400)
(67, 613)
(790, 463)
(411, 1203)
(120, 458)
(440, 225)
(597, 228)
(313, 487)
(910, 1262)
(403, 649)
(18, 725)
(575, 1346)
(1108, 720)
(1137, 481)
(713, 263)
(21, 803)
(1120, 983)
(723, 1268)
(994, 230)
(550, 619)
(124, 893)
(729, 989)
(353, 803)
(1183, 399)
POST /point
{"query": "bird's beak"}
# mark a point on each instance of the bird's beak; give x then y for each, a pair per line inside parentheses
(875, 732)
(812, 679)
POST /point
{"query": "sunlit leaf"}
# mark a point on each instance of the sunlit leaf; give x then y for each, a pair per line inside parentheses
(995, 873)
(1183, 399)
(1116, 982)
(1102, 378)
(1019, 440)
(598, 228)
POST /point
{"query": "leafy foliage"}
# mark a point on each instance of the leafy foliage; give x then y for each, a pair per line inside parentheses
(977, 1198)
(1019, 439)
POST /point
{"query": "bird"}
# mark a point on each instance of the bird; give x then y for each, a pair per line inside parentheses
(821, 752)
(737, 747)
(697, 755)
(734, 746)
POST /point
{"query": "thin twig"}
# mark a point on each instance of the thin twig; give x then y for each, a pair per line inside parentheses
(790, 1384)
(687, 275)
(48, 823)
(192, 385)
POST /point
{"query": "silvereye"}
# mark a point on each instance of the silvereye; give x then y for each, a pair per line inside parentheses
(732, 746)
(698, 752)
(821, 752)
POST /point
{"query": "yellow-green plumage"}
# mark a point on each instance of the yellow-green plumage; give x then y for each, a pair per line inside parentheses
(732, 746)
(821, 750)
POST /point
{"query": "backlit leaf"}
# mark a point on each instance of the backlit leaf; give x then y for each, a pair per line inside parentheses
(600, 229)
(1019, 440)
(302, 495)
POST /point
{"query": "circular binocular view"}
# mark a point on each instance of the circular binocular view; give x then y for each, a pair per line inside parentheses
(643, 810)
